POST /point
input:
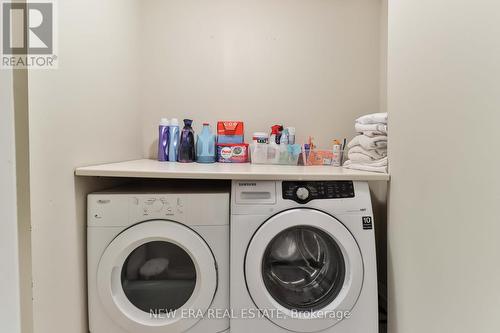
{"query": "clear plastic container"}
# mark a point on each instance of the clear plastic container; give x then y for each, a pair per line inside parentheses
(261, 153)
(258, 153)
(324, 157)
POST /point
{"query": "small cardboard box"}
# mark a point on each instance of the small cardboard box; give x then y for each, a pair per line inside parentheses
(230, 132)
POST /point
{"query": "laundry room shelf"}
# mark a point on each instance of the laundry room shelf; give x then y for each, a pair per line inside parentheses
(153, 169)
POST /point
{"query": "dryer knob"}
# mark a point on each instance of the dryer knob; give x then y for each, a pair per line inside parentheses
(302, 193)
(157, 205)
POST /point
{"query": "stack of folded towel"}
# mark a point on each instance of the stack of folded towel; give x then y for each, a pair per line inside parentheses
(368, 150)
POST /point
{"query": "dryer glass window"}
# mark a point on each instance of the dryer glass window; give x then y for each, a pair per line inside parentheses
(158, 276)
(303, 268)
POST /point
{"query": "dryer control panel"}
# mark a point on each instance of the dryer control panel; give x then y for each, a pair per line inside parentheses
(303, 192)
(164, 206)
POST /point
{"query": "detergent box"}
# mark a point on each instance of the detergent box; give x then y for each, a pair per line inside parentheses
(230, 132)
(232, 152)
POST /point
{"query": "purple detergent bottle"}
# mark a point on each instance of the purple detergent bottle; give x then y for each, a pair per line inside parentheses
(163, 140)
(186, 146)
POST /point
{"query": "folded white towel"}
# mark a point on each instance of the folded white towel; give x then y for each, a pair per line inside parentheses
(361, 158)
(377, 163)
(364, 167)
(375, 166)
(375, 154)
(382, 162)
(362, 128)
(371, 134)
(376, 142)
(374, 118)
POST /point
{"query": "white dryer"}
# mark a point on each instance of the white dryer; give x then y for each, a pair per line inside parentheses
(158, 260)
(302, 257)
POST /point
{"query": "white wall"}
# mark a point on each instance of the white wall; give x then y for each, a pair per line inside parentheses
(85, 112)
(314, 65)
(444, 105)
(383, 55)
(10, 310)
(20, 80)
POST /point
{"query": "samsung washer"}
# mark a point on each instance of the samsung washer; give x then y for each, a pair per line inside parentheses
(303, 257)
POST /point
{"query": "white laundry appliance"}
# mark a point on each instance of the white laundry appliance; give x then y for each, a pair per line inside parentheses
(303, 257)
(158, 260)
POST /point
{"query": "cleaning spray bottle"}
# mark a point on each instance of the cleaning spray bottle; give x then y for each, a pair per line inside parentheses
(173, 144)
(163, 138)
(275, 134)
(273, 152)
(186, 144)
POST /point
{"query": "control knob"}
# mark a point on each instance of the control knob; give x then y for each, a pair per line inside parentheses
(157, 205)
(302, 193)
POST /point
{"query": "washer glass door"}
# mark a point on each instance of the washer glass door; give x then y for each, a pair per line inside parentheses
(158, 276)
(153, 273)
(304, 270)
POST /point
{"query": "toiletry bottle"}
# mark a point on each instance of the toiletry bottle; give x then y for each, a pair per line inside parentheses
(173, 145)
(205, 145)
(283, 148)
(337, 153)
(273, 153)
(163, 140)
(291, 135)
(307, 149)
(186, 143)
(284, 137)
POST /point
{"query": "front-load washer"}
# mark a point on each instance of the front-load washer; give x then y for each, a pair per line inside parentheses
(158, 260)
(302, 257)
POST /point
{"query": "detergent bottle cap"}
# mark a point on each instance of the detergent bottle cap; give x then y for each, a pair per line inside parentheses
(164, 122)
(174, 122)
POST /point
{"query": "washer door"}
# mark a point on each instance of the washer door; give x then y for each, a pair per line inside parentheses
(304, 270)
(153, 275)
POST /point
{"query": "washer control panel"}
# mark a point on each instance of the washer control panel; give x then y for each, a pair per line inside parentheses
(161, 206)
(303, 192)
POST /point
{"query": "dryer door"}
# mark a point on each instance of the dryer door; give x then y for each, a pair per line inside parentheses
(152, 274)
(304, 270)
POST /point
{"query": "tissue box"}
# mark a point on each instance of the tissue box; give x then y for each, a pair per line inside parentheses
(230, 132)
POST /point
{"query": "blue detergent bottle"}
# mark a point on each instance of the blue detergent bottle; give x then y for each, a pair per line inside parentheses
(205, 145)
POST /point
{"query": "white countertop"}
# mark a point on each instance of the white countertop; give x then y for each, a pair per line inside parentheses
(153, 169)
